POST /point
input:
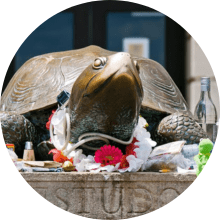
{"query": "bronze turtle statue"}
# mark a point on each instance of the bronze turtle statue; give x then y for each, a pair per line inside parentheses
(108, 92)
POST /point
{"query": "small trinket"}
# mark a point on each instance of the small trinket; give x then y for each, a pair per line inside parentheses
(165, 171)
(10, 147)
(28, 152)
(205, 146)
(68, 166)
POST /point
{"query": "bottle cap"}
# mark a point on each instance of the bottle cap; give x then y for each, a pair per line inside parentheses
(28, 145)
(205, 84)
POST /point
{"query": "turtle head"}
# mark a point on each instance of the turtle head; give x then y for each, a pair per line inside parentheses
(107, 97)
(116, 74)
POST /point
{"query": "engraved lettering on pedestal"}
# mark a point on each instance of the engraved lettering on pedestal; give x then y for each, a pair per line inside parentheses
(140, 200)
(89, 198)
(62, 198)
(83, 200)
(111, 199)
(167, 196)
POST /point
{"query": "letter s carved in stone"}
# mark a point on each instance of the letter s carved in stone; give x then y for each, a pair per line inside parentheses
(62, 198)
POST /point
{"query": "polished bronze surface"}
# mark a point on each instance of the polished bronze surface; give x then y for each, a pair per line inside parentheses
(108, 91)
(107, 98)
(179, 126)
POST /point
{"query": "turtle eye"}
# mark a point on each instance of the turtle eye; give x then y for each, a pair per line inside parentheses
(136, 65)
(99, 62)
(135, 62)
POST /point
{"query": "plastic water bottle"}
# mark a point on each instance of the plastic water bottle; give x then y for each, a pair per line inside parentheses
(205, 112)
(189, 151)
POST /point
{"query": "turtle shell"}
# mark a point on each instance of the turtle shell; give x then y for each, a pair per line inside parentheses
(160, 91)
(39, 81)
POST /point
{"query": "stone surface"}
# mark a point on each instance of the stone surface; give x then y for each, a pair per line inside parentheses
(109, 195)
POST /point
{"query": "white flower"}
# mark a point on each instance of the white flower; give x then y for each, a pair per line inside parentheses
(77, 156)
(145, 143)
(108, 168)
(142, 122)
(81, 167)
(134, 164)
(84, 163)
(92, 166)
(141, 134)
(143, 152)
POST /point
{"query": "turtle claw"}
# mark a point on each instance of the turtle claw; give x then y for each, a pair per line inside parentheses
(17, 129)
(177, 127)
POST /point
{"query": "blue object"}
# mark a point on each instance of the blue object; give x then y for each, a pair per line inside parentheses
(63, 97)
(54, 35)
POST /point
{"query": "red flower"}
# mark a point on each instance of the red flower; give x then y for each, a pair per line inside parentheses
(108, 155)
(124, 163)
(59, 157)
(48, 123)
(134, 140)
(130, 148)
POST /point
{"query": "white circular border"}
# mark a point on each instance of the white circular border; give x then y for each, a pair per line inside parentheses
(20, 18)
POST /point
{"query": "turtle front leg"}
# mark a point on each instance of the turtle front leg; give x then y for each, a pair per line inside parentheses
(177, 127)
(17, 129)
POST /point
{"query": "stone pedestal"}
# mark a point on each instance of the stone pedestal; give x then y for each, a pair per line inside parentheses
(109, 195)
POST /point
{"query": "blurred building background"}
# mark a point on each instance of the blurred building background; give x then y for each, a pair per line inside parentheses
(123, 26)
(197, 66)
